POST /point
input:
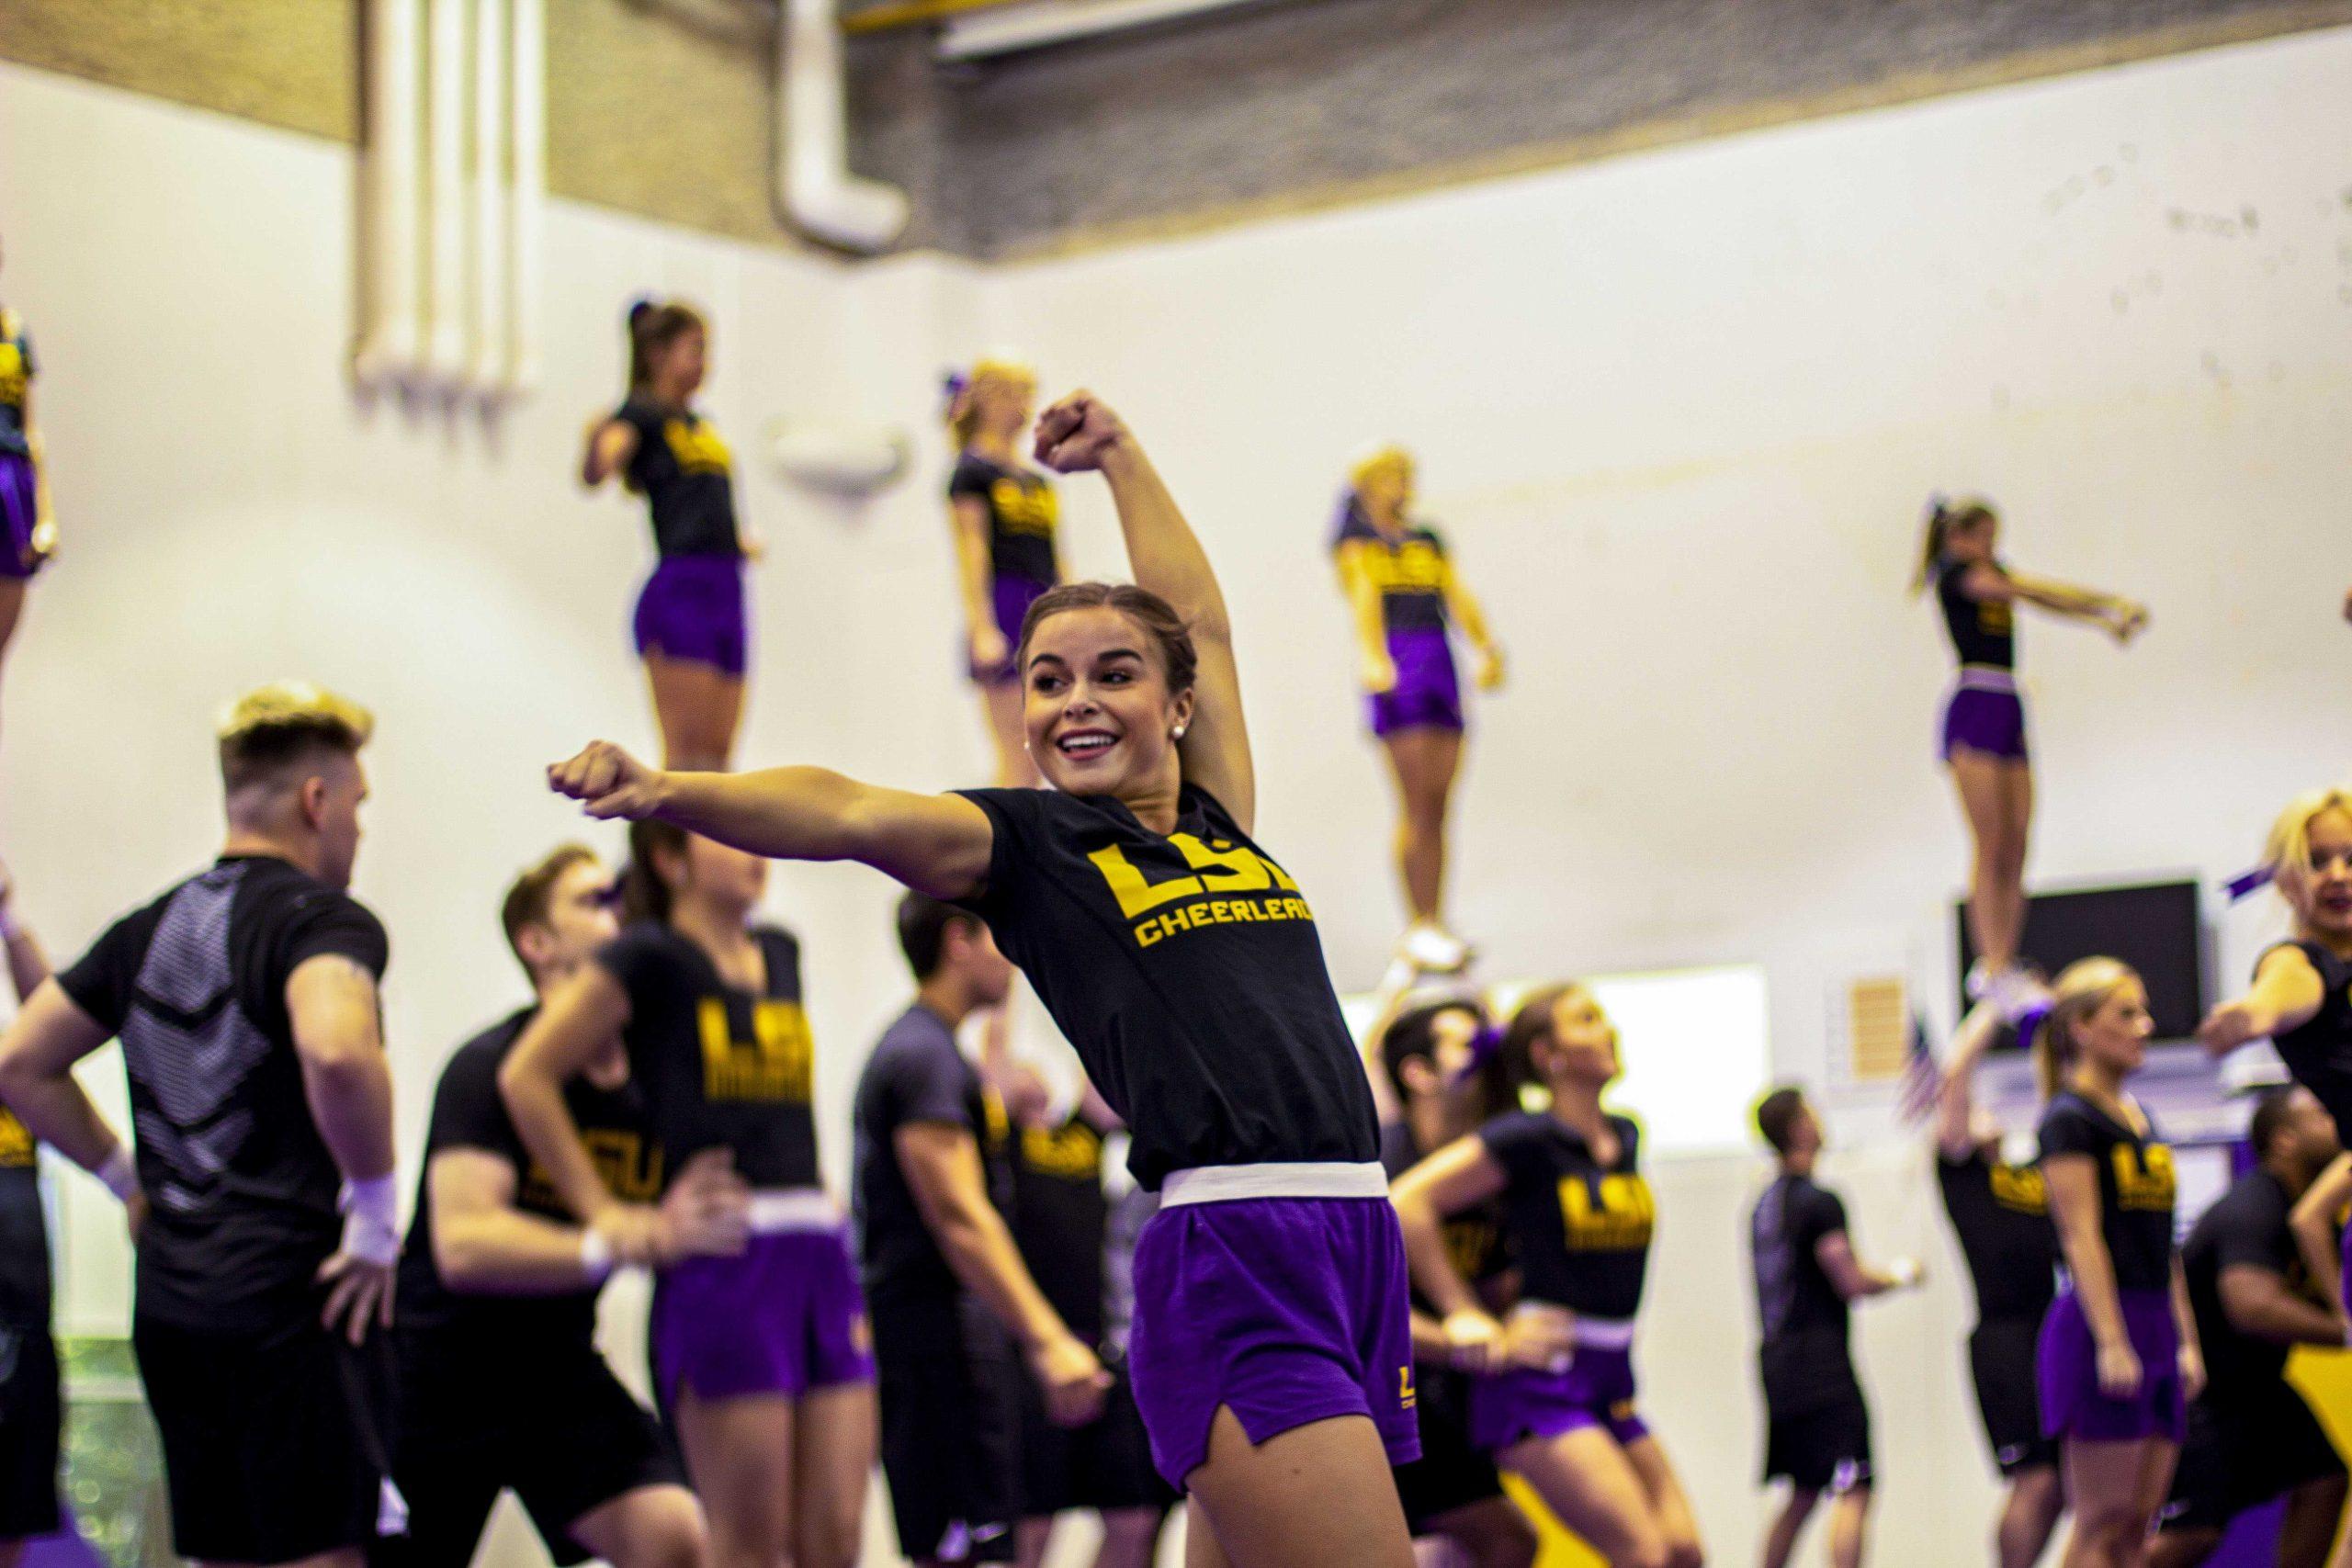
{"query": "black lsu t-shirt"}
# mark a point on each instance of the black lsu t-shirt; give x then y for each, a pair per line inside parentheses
(1477, 1240)
(2246, 1228)
(720, 1067)
(2319, 1053)
(24, 1232)
(241, 1187)
(470, 1113)
(1060, 1215)
(2001, 1214)
(1023, 516)
(2135, 1186)
(683, 469)
(1805, 1356)
(1186, 971)
(1408, 570)
(1983, 631)
(915, 1076)
(1581, 1228)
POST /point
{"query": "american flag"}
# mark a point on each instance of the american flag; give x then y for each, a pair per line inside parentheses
(1916, 1097)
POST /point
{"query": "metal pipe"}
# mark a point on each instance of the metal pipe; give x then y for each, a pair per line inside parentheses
(527, 207)
(486, 324)
(445, 294)
(385, 345)
(814, 184)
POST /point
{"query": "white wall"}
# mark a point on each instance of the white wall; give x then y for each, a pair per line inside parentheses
(1678, 412)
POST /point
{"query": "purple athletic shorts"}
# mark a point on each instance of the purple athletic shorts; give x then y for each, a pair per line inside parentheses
(1012, 596)
(782, 1317)
(19, 509)
(1596, 1390)
(1286, 1310)
(2067, 1365)
(692, 611)
(1987, 719)
(1427, 695)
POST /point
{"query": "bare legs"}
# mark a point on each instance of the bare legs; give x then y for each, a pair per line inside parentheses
(699, 708)
(1625, 1502)
(1996, 795)
(1850, 1520)
(2029, 1516)
(782, 1481)
(1424, 761)
(1318, 1496)
(2116, 1489)
(647, 1527)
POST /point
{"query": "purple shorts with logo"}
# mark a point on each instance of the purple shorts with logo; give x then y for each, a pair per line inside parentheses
(1012, 597)
(1596, 1390)
(782, 1317)
(692, 611)
(19, 511)
(1987, 720)
(2066, 1367)
(1286, 1310)
(1427, 695)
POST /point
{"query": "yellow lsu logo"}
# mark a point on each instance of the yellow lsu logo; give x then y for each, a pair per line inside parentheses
(1406, 1397)
(2020, 1187)
(12, 374)
(775, 1064)
(1073, 1151)
(1414, 567)
(696, 447)
(630, 1165)
(1024, 509)
(1470, 1243)
(1207, 898)
(1615, 1214)
(16, 1150)
(2144, 1179)
(1994, 618)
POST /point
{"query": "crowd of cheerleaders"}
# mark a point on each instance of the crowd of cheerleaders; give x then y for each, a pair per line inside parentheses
(1363, 1291)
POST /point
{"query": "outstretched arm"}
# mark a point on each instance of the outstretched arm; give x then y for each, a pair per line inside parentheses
(1955, 1095)
(2287, 992)
(937, 844)
(1081, 432)
(2123, 618)
(611, 443)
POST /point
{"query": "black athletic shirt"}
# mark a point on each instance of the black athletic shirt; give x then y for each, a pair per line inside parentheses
(470, 1113)
(24, 1233)
(2320, 1053)
(1807, 1360)
(915, 1074)
(1409, 570)
(2135, 1186)
(1186, 971)
(17, 372)
(1477, 1240)
(720, 1067)
(241, 1187)
(1060, 1215)
(2246, 1228)
(1983, 631)
(1023, 516)
(1581, 1228)
(2001, 1214)
(682, 469)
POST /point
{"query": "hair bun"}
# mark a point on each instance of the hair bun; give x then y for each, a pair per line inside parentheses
(639, 308)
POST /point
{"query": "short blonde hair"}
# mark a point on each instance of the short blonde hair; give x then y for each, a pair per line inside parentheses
(2287, 853)
(1388, 454)
(283, 723)
(2081, 989)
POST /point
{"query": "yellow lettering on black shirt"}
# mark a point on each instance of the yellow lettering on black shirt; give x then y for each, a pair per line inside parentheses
(1024, 509)
(1205, 898)
(1614, 1214)
(1073, 1151)
(12, 374)
(696, 447)
(2145, 1181)
(775, 1064)
(630, 1165)
(16, 1150)
(2019, 1188)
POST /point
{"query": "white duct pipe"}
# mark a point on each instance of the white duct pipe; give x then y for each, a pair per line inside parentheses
(445, 294)
(527, 103)
(387, 341)
(486, 326)
(816, 188)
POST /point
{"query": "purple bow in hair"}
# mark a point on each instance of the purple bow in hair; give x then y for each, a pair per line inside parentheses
(2249, 883)
(1483, 1046)
(2029, 1022)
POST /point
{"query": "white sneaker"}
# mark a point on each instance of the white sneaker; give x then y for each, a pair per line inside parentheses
(2016, 992)
(1980, 980)
(1433, 949)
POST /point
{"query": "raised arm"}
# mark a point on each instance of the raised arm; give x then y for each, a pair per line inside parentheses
(1376, 670)
(1471, 616)
(2286, 994)
(1956, 1091)
(1460, 1176)
(2313, 1221)
(1080, 433)
(937, 844)
(611, 443)
(2073, 1180)
(337, 1022)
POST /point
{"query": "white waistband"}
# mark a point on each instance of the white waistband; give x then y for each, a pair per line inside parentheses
(1986, 677)
(1290, 1178)
(783, 1211)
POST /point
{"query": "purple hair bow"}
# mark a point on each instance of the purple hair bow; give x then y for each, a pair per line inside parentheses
(2249, 883)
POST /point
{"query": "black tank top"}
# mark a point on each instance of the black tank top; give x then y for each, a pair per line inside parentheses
(1983, 631)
